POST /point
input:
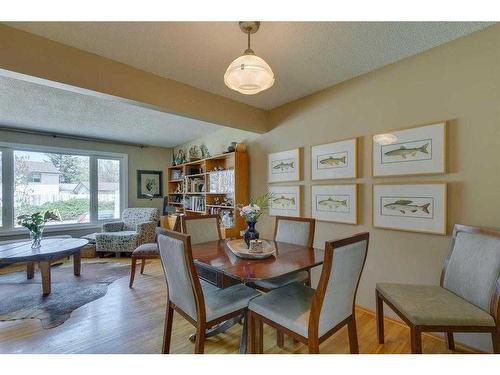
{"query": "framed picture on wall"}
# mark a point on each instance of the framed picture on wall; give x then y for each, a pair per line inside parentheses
(410, 207)
(286, 201)
(149, 184)
(335, 160)
(418, 150)
(336, 203)
(285, 166)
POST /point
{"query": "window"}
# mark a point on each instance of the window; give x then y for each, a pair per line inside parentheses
(64, 181)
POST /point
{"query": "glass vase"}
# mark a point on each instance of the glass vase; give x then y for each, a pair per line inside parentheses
(251, 233)
(36, 237)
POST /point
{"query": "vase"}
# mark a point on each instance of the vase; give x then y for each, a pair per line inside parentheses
(36, 237)
(251, 233)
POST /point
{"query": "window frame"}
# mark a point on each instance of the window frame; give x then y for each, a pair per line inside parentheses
(7, 211)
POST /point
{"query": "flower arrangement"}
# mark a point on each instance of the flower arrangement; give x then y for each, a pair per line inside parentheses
(35, 223)
(255, 208)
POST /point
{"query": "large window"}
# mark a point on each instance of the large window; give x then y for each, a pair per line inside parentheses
(82, 187)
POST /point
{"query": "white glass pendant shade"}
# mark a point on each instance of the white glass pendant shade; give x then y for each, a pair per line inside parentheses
(249, 74)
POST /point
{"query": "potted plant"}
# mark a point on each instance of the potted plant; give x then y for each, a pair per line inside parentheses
(35, 223)
(252, 212)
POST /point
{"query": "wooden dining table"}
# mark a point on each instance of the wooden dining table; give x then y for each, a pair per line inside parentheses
(216, 264)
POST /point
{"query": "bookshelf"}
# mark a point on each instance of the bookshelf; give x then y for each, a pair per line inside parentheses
(211, 186)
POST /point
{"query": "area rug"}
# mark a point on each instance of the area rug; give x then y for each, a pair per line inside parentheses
(22, 299)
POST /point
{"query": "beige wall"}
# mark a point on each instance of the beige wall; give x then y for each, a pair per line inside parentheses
(153, 158)
(459, 82)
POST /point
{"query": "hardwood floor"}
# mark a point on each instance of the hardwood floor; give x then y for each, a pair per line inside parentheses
(131, 321)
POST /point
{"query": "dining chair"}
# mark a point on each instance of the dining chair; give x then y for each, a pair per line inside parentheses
(202, 228)
(311, 316)
(467, 299)
(186, 296)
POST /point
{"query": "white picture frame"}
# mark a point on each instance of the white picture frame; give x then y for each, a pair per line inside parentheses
(284, 166)
(285, 201)
(335, 203)
(418, 208)
(416, 151)
(335, 160)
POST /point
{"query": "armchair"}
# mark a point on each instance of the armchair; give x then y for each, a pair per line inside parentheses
(136, 228)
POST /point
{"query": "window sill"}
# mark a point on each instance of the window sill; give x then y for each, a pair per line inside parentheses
(52, 229)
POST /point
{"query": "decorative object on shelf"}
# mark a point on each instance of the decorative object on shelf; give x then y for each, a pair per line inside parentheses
(410, 207)
(285, 166)
(241, 147)
(204, 151)
(335, 160)
(180, 157)
(35, 223)
(232, 147)
(336, 203)
(227, 219)
(251, 213)
(418, 150)
(285, 201)
(176, 174)
(249, 74)
(194, 153)
(221, 182)
(149, 184)
(241, 250)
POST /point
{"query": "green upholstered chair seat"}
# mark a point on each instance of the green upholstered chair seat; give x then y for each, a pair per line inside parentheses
(278, 282)
(432, 305)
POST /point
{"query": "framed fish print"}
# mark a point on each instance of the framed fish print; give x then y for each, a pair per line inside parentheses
(410, 207)
(420, 150)
(335, 160)
(336, 203)
(285, 166)
(285, 201)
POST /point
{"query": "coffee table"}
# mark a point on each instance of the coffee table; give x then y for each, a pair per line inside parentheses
(51, 249)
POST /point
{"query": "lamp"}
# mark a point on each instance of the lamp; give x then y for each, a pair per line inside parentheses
(249, 74)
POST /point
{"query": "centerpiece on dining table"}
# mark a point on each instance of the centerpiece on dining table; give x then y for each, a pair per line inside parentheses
(35, 223)
(251, 213)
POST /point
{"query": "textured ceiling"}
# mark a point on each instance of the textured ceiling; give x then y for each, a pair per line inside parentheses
(305, 56)
(31, 106)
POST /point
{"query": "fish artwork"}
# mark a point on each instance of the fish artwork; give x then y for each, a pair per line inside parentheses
(405, 206)
(284, 201)
(284, 166)
(404, 152)
(333, 203)
(333, 162)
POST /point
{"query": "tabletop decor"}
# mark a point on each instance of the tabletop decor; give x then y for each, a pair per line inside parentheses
(252, 213)
(35, 223)
(241, 250)
(334, 160)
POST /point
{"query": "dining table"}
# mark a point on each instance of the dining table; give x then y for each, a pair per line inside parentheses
(218, 265)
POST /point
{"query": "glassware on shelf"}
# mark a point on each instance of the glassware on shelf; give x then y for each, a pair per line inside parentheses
(221, 181)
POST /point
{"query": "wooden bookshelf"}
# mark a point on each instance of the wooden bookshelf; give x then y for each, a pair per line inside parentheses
(197, 175)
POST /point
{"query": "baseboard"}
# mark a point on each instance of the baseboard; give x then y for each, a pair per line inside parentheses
(461, 347)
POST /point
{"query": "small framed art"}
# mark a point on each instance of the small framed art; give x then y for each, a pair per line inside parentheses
(285, 166)
(335, 160)
(149, 184)
(336, 203)
(285, 201)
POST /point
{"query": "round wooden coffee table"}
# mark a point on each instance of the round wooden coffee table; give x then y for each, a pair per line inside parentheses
(51, 249)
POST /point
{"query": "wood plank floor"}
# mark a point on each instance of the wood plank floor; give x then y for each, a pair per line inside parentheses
(131, 321)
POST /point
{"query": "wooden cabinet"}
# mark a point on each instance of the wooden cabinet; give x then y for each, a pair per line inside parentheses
(211, 186)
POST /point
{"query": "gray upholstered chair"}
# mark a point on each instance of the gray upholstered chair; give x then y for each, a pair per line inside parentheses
(136, 228)
(186, 296)
(311, 316)
(467, 299)
(203, 228)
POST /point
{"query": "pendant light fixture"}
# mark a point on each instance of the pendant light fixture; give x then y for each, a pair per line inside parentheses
(249, 74)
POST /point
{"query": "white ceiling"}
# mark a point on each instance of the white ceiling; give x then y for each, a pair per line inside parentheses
(305, 56)
(32, 106)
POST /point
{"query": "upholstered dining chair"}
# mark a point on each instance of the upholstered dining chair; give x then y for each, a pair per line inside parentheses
(467, 299)
(311, 316)
(202, 228)
(186, 296)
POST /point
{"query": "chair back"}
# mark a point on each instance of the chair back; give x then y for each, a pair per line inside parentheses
(184, 289)
(336, 293)
(472, 268)
(133, 216)
(294, 230)
(201, 228)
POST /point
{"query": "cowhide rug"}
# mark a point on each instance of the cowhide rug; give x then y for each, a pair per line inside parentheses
(22, 299)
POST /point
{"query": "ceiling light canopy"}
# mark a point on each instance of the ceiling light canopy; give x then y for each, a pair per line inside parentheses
(249, 74)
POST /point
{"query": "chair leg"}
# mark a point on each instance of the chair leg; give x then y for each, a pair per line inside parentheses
(313, 346)
(199, 346)
(167, 330)
(143, 263)
(280, 339)
(495, 338)
(416, 340)
(353, 335)
(380, 317)
(259, 335)
(132, 272)
(450, 341)
(251, 333)
(30, 270)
